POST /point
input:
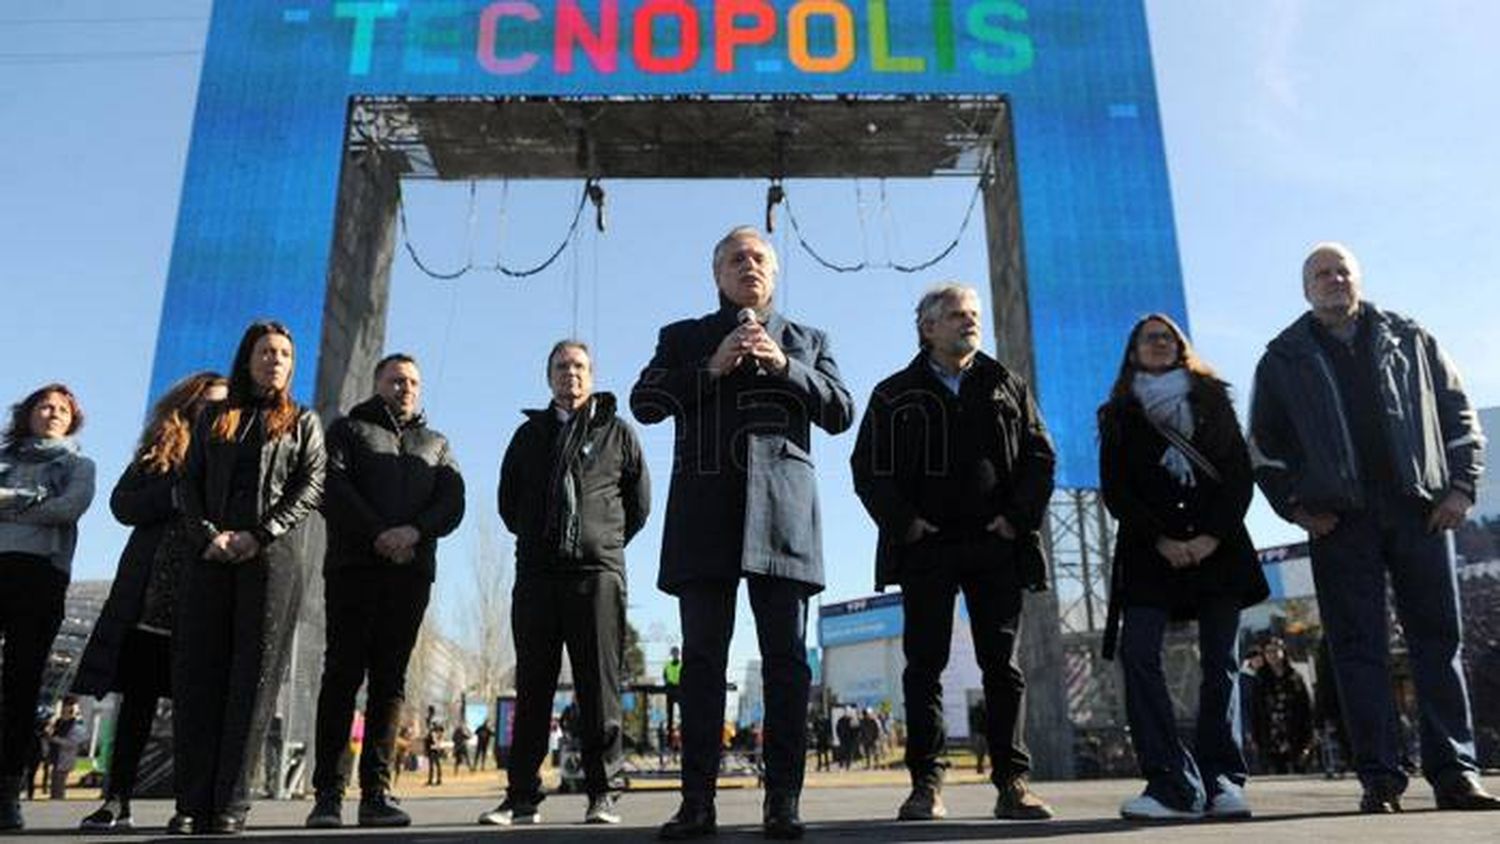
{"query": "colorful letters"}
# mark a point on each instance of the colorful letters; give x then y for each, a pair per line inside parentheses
(667, 36)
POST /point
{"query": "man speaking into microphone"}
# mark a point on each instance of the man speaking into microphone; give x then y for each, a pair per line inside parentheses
(744, 386)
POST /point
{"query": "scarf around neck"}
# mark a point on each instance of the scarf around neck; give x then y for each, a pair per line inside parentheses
(1164, 397)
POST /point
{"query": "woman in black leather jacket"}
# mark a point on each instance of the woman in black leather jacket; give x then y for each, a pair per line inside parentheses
(130, 648)
(254, 474)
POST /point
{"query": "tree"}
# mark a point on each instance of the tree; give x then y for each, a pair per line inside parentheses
(484, 613)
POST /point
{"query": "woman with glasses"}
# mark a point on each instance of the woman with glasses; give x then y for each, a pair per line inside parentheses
(1175, 472)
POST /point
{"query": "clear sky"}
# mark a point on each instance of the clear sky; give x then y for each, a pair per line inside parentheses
(1285, 122)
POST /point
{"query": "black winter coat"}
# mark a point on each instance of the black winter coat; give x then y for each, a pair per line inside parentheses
(141, 500)
(1150, 504)
(382, 475)
(955, 461)
(290, 484)
(585, 530)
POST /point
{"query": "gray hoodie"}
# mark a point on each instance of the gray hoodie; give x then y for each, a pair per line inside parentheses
(45, 486)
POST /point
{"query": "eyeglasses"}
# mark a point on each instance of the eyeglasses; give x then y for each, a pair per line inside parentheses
(1157, 337)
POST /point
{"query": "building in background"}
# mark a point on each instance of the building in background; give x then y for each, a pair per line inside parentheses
(862, 661)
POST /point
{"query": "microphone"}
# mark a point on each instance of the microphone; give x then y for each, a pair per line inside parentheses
(746, 316)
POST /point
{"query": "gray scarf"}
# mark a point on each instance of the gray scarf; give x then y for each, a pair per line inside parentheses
(1165, 399)
(27, 472)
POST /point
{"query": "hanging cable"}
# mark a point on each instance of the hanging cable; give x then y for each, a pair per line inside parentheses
(497, 266)
(863, 265)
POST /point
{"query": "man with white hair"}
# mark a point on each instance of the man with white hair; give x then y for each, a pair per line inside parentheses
(744, 386)
(1362, 435)
(954, 464)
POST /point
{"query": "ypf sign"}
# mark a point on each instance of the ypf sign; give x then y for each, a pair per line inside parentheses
(254, 232)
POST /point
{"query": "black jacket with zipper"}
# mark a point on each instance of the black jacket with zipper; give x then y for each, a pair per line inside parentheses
(1300, 439)
(384, 474)
(955, 461)
(579, 519)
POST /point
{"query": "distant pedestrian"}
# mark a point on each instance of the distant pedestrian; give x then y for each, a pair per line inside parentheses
(976, 733)
(432, 745)
(483, 736)
(822, 731)
(1283, 710)
(461, 755)
(64, 741)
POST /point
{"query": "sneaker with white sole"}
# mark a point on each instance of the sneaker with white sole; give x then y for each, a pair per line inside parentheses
(111, 817)
(1148, 808)
(1230, 802)
(512, 812)
(602, 809)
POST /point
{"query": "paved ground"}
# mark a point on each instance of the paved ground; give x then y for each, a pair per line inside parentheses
(1287, 809)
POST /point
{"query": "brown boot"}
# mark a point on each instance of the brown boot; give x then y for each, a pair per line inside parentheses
(1017, 802)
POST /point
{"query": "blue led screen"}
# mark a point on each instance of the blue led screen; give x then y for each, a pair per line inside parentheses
(255, 225)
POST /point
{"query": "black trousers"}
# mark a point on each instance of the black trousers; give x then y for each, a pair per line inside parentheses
(707, 611)
(145, 674)
(372, 617)
(932, 579)
(586, 612)
(32, 592)
(229, 647)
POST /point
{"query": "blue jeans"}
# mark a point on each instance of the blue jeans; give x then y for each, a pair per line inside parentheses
(1173, 774)
(1349, 569)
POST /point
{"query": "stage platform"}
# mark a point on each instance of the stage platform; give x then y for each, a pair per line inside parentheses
(1287, 809)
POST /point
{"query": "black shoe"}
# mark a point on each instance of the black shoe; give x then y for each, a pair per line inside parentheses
(1378, 802)
(110, 817)
(380, 809)
(1465, 794)
(225, 823)
(10, 814)
(694, 819)
(327, 811)
(181, 824)
(780, 820)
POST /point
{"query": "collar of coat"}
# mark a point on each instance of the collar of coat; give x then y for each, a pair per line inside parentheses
(728, 317)
(1298, 340)
(374, 411)
(599, 409)
(985, 370)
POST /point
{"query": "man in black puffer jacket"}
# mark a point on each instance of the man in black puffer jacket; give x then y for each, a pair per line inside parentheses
(393, 490)
(573, 489)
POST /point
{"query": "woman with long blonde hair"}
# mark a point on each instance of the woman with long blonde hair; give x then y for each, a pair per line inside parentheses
(129, 650)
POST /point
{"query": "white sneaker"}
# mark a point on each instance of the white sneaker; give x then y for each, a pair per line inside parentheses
(1230, 802)
(1148, 808)
(511, 813)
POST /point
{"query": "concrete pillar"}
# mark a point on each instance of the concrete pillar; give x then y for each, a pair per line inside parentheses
(1049, 732)
(359, 274)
